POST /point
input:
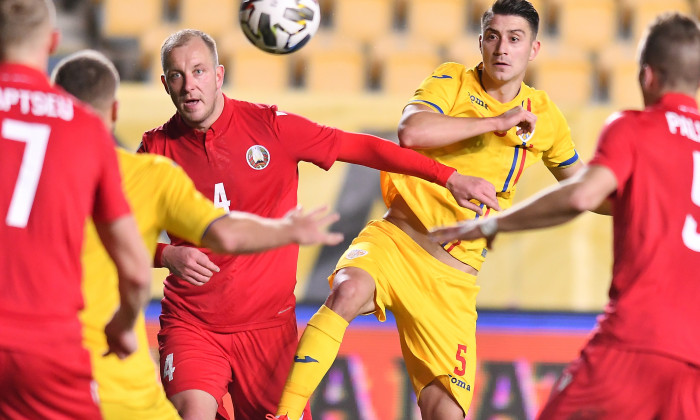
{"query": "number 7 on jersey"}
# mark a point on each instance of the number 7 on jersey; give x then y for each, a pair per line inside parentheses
(37, 138)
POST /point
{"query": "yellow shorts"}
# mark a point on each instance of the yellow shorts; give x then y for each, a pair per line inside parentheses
(433, 303)
(130, 389)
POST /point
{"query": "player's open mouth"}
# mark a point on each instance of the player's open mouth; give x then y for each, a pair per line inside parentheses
(191, 103)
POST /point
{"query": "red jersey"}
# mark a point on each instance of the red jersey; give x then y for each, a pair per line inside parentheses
(247, 161)
(57, 167)
(655, 156)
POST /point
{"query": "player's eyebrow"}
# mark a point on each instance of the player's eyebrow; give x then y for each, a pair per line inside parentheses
(510, 31)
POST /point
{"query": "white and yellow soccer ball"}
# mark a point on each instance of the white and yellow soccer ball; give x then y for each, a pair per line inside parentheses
(279, 26)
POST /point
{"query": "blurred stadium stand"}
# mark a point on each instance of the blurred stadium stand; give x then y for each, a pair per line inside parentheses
(357, 73)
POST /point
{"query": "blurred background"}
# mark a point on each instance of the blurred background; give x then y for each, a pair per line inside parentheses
(539, 291)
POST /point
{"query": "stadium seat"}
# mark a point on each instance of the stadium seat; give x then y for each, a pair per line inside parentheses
(130, 18)
(404, 61)
(437, 21)
(215, 17)
(619, 64)
(586, 24)
(464, 49)
(644, 12)
(363, 20)
(564, 73)
(334, 64)
(248, 67)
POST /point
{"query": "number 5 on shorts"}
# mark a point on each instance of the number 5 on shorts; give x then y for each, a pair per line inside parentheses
(461, 353)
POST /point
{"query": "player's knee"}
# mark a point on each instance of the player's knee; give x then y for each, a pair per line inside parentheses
(351, 297)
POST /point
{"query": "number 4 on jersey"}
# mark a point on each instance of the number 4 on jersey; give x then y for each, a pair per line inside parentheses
(220, 200)
(691, 236)
(168, 368)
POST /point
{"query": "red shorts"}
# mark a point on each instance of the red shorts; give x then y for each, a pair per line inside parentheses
(56, 386)
(250, 365)
(611, 383)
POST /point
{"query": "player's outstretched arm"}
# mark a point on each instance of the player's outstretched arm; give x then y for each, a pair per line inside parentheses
(240, 233)
(554, 206)
(421, 127)
(124, 245)
(378, 153)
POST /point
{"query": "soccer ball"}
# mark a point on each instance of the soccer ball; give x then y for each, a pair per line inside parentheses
(279, 26)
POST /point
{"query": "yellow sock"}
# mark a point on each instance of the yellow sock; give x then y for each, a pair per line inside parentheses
(315, 354)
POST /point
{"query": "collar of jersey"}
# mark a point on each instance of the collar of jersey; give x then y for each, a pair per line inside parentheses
(20, 73)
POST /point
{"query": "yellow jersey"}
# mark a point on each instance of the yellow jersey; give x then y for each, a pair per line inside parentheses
(162, 197)
(498, 157)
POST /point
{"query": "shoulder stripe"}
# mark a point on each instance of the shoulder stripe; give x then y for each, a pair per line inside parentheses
(569, 161)
(437, 108)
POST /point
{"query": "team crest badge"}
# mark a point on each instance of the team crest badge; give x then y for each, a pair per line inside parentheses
(258, 157)
(356, 253)
(526, 136)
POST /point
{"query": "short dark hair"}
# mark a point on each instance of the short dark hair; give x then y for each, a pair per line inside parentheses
(522, 8)
(89, 76)
(181, 38)
(671, 46)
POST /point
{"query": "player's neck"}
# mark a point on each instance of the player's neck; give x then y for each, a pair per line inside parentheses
(503, 92)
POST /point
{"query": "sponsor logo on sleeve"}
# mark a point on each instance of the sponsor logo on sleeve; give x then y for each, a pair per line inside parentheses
(356, 253)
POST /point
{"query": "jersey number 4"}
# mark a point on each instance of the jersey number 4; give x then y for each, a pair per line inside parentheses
(220, 200)
(691, 236)
(36, 136)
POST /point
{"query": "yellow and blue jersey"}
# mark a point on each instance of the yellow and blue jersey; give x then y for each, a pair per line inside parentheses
(498, 157)
(162, 197)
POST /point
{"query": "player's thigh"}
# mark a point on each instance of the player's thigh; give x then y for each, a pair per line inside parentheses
(261, 362)
(682, 400)
(606, 383)
(193, 359)
(436, 319)
(56, 386)
(436, 403)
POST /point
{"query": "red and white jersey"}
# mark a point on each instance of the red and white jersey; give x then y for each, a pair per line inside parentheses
(655, 156)
(247, 161)
(57, 167)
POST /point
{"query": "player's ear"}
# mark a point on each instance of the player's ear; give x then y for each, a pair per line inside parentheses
(165, 84)
(535, 49)
(220, 71)
(115, 110)
(481, 49)
(55, 40)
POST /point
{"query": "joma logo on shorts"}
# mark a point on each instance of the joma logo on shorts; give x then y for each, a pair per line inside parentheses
(460, 383)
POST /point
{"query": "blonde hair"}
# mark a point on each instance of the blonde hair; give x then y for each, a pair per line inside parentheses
(22, 20)
(181, 38)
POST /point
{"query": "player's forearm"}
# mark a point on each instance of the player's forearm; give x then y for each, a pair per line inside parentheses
(426, 129)
(384, 155)
(554, 206)
(242, 233)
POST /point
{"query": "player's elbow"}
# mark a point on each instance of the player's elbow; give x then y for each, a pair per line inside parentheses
(410, 135)
(581, 200)
(219, 238)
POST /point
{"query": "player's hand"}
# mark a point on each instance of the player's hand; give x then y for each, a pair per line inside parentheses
(190, 264)
(467, 230)
(516, 117)
(309, 229)
(121, 337)
(465, 188)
